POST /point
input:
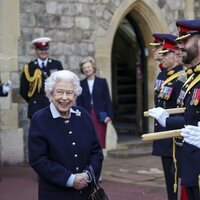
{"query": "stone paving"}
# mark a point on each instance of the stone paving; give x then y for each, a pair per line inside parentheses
(139, 178)
(146, 170)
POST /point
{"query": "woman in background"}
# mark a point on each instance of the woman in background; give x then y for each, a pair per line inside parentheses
(95, 98)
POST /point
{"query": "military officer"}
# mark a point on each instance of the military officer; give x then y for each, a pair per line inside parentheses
(189, 31)
(34, 75)
(166, 92)
(167, 95)
(189, 44)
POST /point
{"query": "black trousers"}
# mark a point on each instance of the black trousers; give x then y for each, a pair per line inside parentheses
(167, 163)
(193, 193)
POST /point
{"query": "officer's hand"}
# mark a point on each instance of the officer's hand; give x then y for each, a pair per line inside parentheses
(7, 86)
(191, 135)
(159, 114)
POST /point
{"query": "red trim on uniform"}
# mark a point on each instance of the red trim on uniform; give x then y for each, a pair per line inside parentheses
(183, 193)
(170, 46)
(41, 44)
(185, 30)
(158, 40)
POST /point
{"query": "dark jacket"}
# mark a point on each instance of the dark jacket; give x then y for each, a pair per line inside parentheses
(191, 154)
(59, 147)
(39, 99)
(100, 96)
(171, 89)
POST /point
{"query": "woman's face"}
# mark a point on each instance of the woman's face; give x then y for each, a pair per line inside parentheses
(88, 69)
(63, 97)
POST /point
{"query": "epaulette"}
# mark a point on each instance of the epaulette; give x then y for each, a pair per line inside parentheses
(197, 68)
(189, 72)
(182, 76)
(171, 72)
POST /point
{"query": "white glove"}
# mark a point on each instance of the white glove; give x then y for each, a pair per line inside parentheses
(159, 114)
(191, 135)
(6, 86)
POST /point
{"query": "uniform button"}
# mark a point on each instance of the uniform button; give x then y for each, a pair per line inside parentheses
(75, 155)
(77, 168)
(34, 102)
(81, 191)
(189, 92)
(70, 132)
(156, 124)
(67, 121)
(73, 143)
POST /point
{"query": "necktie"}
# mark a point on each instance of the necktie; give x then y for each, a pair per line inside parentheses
(43, 66)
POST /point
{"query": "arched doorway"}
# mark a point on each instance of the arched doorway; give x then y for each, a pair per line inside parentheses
(128, 78)
(145, 18)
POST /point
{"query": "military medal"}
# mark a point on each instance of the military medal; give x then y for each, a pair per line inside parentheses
(181, 98)
(195, 97)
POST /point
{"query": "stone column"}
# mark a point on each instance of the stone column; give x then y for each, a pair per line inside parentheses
(189, 9)
(11, 137)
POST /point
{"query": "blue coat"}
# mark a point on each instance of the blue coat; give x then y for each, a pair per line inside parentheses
(172, 88)
(59, 147)
(191, 154)
(100, 96)
(39, 99)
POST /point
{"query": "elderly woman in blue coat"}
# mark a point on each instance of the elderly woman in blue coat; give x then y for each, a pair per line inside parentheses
(62, 142)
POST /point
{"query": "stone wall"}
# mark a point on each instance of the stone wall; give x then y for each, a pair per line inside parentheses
(197, 9)
(74, 26)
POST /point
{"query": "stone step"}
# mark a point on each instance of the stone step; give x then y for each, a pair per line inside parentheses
(125, 127)
(131, 149)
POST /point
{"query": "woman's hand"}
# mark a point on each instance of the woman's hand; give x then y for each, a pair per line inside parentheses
(107, 119)
(81, 181)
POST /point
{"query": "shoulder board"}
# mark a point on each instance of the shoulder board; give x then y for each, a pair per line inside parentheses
(182, 76)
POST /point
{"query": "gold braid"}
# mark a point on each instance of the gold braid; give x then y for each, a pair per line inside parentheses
(175, 166)
(35, 81)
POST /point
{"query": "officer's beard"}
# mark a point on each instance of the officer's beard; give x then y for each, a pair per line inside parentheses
(190, 54)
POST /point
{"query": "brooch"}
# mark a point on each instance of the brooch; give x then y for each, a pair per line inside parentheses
(78, 113)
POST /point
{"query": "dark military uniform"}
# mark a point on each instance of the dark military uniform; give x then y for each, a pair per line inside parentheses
(32, 84)
(190, 99)
(166, 98)
(167, 87)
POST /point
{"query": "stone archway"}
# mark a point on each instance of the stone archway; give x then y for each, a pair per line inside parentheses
(150, 19)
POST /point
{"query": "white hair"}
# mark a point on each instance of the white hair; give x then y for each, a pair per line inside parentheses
(62, 75)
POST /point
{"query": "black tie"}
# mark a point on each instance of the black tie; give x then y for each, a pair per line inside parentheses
(43, 66)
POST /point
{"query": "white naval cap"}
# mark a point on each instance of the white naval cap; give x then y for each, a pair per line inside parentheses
(41, 43)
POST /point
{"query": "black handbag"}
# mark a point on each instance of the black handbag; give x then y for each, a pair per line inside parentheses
(97, 192)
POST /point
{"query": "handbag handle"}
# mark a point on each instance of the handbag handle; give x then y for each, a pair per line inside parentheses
(92, 174)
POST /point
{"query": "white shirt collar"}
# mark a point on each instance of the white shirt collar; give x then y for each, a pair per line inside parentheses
(42, 61)
(56, 114)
